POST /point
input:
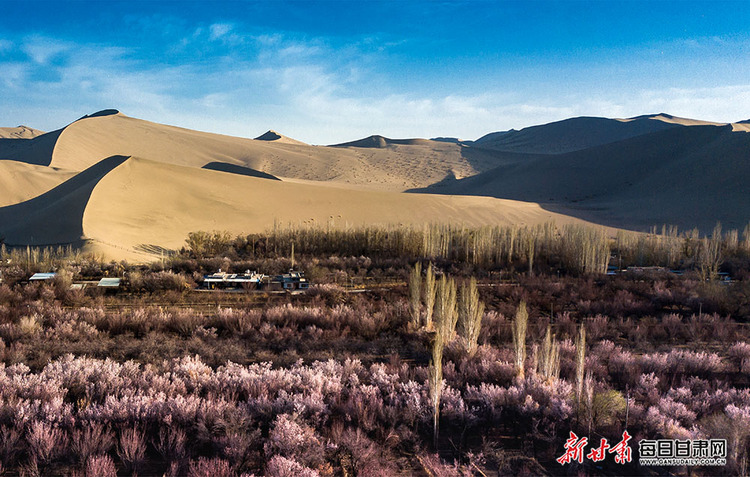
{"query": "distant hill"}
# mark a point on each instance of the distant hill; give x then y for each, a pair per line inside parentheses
(382, 142)
(683, 175)
(20, 132)
(573, 134)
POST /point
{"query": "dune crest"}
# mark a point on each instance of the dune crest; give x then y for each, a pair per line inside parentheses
(381, 142)
(272, 135)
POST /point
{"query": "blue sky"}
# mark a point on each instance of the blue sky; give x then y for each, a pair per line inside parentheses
(326, 72)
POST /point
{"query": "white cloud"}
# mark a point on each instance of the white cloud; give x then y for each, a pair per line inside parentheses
(219, 30)
(311, 90)
(41, 50)
(721, 103)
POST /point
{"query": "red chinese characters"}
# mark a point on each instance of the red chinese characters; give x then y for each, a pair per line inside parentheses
(623, 452)
(573, 449)
(600, 453)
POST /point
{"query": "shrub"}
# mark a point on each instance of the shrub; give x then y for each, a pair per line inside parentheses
(280, 466)
(100, 466)
(470, 312)
(131, 447)
(92, 439)
(294, 440)
(215, 467)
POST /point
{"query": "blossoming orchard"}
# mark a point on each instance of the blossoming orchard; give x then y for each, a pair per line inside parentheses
(431, 361)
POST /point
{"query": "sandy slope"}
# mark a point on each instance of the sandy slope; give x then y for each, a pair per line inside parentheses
(397, 167)
(77, 183)
(130, 209)
(54, 217)
(20, 132)
(20, 181)
(686, 176)
(569, 135)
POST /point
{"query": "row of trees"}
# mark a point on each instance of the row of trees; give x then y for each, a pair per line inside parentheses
(573, 248)
(436, 307)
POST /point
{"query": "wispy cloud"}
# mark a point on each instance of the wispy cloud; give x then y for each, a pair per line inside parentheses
(42, 50)
(219, 30)
(225, 77)
(729, 103)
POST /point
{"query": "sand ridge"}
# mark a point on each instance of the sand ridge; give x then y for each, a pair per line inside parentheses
(411, 164)
(685, 176)
(130, 210)
(127, 187)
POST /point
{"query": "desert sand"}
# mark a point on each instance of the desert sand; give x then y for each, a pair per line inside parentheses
(690, 174)
(20, 132)
(129, 188)
(86, 141)
(155, 217)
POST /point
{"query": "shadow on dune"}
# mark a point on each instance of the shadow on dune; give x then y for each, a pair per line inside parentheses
(55, 217)
(103, 112)
(37, 151)
(239, 170)
(683, 176)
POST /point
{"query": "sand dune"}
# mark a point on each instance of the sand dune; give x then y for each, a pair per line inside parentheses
(20, 132)
(406, 164)
(381, 142)
(151, 216)
(668, 118)
(683, 176)
(569, 135)
(127, 187)
(20, 181)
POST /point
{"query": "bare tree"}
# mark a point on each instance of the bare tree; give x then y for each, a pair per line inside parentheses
(415, 294)
(470, 311)
(428, 296)
(446, 317)
(580, 361)
(709, 257)
(519, 337)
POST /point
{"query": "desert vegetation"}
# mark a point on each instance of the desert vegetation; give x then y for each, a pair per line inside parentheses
(441, 365)
(546, 248)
